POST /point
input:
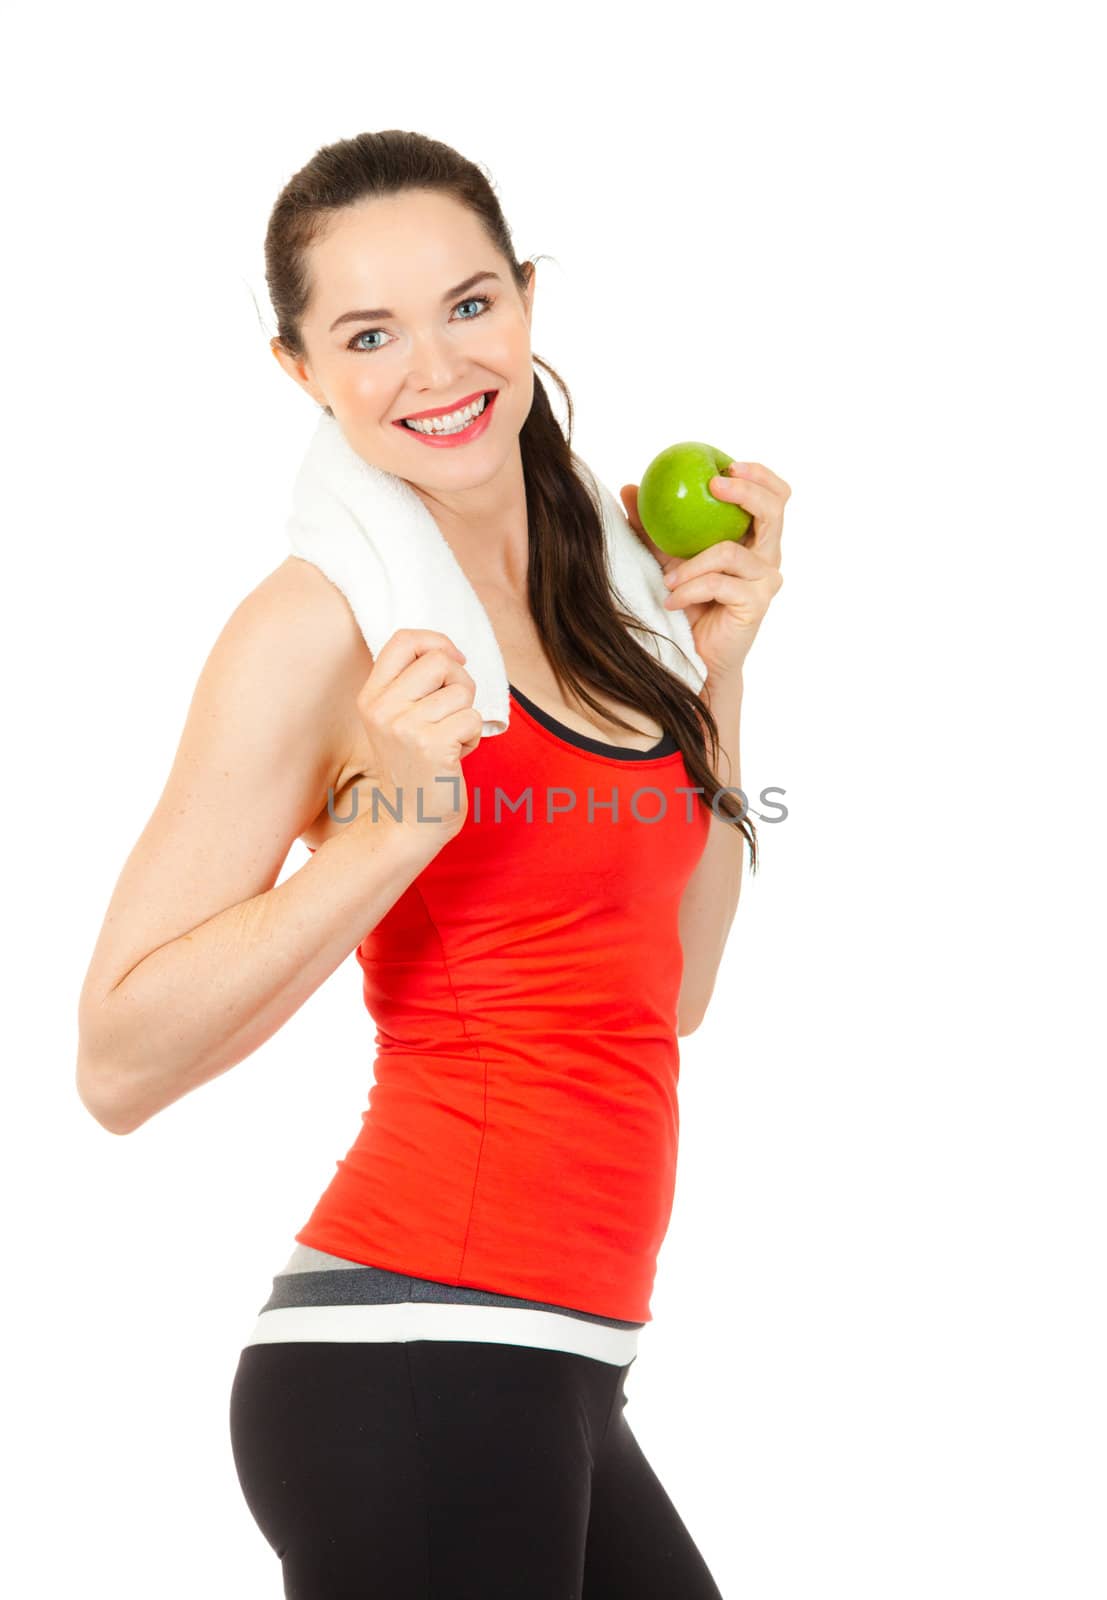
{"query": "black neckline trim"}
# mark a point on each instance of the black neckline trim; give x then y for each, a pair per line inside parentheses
(583, 741)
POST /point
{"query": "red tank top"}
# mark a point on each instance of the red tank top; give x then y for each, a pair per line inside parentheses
(521, 1131)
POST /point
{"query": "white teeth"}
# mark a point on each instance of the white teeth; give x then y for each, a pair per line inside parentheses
(450, 424)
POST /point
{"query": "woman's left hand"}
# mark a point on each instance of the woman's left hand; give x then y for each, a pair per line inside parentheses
(726, 589)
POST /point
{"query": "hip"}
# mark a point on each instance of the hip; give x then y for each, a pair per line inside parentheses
(320, 1297)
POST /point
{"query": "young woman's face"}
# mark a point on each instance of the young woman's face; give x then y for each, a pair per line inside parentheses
(389, 334)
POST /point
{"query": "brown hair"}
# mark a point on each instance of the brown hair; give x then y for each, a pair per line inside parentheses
(582, 628)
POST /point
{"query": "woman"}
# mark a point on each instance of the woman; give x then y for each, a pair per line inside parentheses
(432, 1401)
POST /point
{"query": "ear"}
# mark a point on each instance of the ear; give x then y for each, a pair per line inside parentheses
(297, 370)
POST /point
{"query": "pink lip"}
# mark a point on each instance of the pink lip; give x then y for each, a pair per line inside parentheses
(446, 441)
(443, 411)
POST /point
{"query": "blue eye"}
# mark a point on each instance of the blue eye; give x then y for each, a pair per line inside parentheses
(485, 300)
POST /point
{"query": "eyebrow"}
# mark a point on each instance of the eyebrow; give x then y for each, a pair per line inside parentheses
(382, 312)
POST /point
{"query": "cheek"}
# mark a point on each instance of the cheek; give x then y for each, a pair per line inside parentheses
(519, 344)
(513, 359)
(506, 348)
(368, 387)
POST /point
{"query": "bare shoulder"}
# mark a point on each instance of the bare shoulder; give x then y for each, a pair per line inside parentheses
(275, 702)
(269, 727)
(299, 605)
(299, 594)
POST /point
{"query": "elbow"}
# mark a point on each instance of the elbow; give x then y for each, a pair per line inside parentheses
(691, 1011)
(697, 987)
(104, 1105)
(104, 1085)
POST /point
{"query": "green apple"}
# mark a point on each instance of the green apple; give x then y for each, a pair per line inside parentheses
(676, 507)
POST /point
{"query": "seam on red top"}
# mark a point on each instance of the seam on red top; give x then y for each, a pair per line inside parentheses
(416, 887)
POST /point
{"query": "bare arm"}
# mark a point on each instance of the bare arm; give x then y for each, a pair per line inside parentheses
(208, 999)
(201, 957)
(711, 896)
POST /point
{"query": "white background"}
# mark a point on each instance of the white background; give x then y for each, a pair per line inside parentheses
(859, 245)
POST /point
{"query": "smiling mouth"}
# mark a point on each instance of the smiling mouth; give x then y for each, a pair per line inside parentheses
(431, 419)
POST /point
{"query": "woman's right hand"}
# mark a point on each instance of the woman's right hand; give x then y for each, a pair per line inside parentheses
(417, 707)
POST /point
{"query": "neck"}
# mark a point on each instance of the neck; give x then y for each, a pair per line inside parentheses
(486, 528)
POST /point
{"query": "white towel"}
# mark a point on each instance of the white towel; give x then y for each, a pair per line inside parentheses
(371, 535)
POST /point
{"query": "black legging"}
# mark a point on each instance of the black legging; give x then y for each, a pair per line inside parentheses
(453, 1470)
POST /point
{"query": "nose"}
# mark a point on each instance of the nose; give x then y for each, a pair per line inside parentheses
(433, 364)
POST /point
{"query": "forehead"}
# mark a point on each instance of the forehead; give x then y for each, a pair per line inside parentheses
(396, 250)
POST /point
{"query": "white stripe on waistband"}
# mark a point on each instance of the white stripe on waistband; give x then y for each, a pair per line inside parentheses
(406, 1320)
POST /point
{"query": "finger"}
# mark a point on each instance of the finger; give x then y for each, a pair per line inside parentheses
(629, 496)
(629, 493)
(725, 587)
(760, 499)
(728, 555)
(405, 646)
(763, 500)
(754, 472)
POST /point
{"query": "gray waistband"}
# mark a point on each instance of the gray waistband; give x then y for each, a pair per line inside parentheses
(315, 1278)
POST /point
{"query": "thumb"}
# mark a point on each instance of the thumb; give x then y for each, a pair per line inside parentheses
(629, 493)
